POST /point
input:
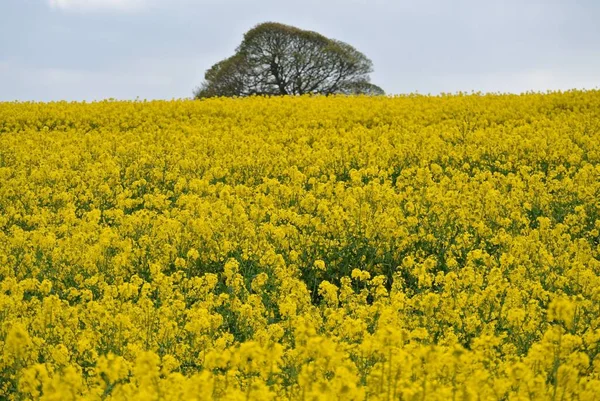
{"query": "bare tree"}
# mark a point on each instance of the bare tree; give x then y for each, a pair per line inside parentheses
(277, 59)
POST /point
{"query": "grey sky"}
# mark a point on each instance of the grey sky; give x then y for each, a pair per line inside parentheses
(151, 49)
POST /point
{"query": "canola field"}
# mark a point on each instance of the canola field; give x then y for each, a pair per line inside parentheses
(302, 248)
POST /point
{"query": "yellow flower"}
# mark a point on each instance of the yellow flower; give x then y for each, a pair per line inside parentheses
(179, 249)
(319, 265)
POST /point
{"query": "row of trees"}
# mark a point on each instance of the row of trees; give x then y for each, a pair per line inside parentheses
(278, 59)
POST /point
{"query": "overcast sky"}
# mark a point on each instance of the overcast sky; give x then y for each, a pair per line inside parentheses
(159, 49)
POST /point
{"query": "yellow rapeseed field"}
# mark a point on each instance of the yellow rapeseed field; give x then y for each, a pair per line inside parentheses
(302, 248)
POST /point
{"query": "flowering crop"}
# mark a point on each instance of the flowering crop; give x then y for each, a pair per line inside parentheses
(302, 248)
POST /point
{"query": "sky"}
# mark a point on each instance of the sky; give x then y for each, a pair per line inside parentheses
(89, 50)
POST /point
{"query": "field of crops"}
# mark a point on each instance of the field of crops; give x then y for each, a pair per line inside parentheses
(302, 248)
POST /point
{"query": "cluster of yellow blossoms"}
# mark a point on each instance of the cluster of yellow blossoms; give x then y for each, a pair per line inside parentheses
(302, 248)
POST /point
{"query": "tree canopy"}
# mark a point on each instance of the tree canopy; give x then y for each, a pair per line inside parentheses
(278, 59)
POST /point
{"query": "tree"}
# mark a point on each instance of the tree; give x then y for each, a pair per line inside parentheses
(278, 59)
